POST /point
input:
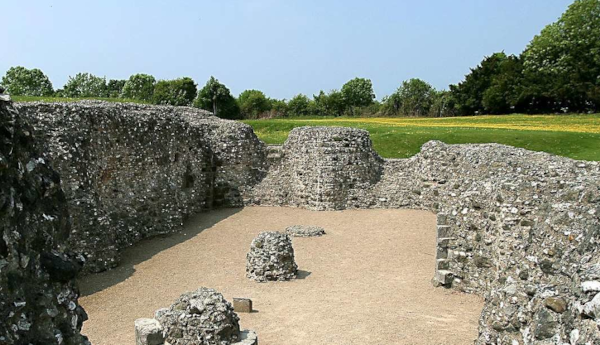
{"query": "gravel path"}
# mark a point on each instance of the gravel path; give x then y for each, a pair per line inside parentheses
(368, 281)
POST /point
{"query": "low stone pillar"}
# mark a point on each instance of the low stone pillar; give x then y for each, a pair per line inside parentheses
(271, 257)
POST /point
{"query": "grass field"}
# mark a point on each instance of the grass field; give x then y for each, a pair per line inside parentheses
(575, 136)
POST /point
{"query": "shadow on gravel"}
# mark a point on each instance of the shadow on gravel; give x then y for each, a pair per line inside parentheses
(147, 248)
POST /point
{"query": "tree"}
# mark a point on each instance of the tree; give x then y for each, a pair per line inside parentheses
(178, 92)
(279, 107)
(300, 105)
(562, 63)
(358, 92)
(140, 87)
(469, 93)
(115, 88)
(20, 81)
(217, 98)
(414, 98)
(504, 95)
(253, 103)
(329, 104)
(85, 85)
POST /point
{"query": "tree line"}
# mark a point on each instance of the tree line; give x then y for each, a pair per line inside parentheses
(559, 71)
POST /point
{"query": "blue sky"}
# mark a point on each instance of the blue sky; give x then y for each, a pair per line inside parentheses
(280, 47)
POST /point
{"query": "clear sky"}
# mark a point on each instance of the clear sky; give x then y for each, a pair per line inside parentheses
(280, 47)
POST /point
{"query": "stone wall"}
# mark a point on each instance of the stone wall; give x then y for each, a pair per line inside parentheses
(520, 228)
(38, 297)
(133, 171)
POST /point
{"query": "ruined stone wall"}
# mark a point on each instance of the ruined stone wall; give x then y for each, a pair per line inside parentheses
(132, 171)
(520, 228)
(38, 297)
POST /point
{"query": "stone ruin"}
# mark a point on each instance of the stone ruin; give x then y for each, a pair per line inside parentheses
(520, 228)
(271, 257)
(201, 317)
(38, 294)
(304, 231)
(132, 171)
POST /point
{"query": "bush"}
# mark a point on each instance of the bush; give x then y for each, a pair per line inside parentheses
(253, 104)
(178, 92)
(330, 104)
(300, 105)
(20, 81)
(140, 87)
(85, 85)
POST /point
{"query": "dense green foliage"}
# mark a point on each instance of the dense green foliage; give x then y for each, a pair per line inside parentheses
(139, 86)
(85, 85)
(20, 81)
(115, 88)
(414, 98)
(180, 92)
(559, 71)
(253, 103)
(217, 98)
(358, 92)
(575, 136)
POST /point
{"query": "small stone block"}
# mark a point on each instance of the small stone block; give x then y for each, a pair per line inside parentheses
(247, 338)
(148, 332)
(242, 305)
(444, 277)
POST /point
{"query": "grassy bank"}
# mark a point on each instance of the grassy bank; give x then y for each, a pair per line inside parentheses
(575, 136)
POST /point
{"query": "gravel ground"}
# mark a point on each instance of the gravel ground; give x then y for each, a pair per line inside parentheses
(368, 281)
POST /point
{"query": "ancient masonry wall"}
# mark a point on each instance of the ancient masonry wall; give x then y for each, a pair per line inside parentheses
(38, 297)
(133, 171)
(520, 228)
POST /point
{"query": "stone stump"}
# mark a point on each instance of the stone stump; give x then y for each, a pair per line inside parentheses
(271, 257)
(202, 317)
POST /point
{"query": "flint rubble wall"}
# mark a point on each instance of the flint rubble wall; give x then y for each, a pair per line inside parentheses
(132, 171)
(520, 228)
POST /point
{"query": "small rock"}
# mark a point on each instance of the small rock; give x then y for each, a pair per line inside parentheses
(557, 304)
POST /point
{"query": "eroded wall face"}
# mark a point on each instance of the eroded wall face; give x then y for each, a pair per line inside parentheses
(520, 228)
(38, 297)
(133, 171)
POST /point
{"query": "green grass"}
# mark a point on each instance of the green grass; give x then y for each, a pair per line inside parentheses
(65, 99)
(575, 136)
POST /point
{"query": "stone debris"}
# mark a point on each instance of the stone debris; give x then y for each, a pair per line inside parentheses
(271, 257)
(38, 293)
(305, 231)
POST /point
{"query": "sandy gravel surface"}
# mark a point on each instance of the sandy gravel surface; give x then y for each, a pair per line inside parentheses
(366, 282)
